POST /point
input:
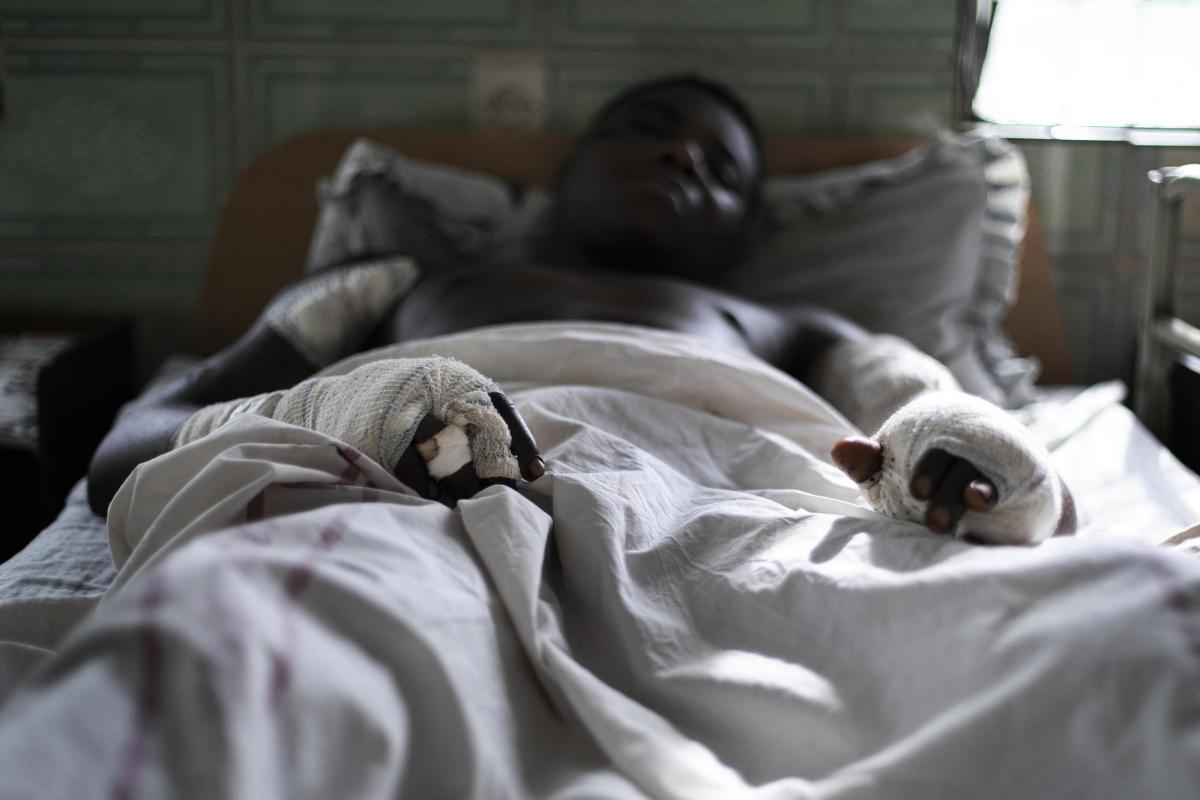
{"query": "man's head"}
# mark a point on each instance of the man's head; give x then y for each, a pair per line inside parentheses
(664, 180)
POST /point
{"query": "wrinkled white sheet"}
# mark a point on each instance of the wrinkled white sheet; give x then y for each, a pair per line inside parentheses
(692, 603)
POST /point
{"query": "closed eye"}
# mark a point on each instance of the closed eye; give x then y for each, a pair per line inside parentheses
(727, 173)
(725, 167)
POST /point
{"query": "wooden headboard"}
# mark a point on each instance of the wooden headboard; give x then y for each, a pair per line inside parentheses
(264, 230)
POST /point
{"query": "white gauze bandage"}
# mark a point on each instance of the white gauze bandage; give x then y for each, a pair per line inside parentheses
(1029, 493)
(868, 379)
(913, 405)
(377, 408)
(330, 316)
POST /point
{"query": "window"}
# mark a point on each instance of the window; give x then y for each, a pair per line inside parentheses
(1126, 65)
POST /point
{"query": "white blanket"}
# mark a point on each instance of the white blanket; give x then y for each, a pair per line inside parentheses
(692, 603)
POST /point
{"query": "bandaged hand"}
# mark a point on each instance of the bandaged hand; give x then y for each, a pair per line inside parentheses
(330, 315)
(939, 456)
(442, 428)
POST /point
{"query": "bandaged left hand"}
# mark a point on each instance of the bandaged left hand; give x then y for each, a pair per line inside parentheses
(960, 466)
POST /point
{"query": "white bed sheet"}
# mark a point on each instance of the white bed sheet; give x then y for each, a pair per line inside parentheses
(719, 614)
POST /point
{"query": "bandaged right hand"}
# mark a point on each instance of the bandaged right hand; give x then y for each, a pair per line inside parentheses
(442, 428)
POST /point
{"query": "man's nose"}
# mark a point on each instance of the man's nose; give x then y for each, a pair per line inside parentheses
(683, 154)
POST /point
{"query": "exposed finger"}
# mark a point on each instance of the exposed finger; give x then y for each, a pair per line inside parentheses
(858, 457)
(523, 445)
(980, 495)
(461, 484)
(411, 471)
(946, 507)
(928, 473)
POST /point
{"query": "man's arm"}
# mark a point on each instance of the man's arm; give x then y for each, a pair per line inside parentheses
(309, 325)
(935, 460)
(261, 361)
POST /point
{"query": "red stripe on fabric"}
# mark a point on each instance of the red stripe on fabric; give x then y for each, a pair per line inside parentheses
(150, 694)
(281, 667)
(298, 578)
(314, 484)
(296, 581)
(351, 456)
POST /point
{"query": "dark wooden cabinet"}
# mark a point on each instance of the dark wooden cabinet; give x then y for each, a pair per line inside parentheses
(78, 390)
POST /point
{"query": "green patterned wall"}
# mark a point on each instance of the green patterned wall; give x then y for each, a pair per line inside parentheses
(128, 120)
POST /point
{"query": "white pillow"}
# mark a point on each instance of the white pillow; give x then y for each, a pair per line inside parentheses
(925, 246)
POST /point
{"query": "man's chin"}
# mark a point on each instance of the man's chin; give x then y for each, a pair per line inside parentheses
(648, 261)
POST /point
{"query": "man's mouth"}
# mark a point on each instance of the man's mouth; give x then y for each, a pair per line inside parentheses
(662, 180)
(661, 187)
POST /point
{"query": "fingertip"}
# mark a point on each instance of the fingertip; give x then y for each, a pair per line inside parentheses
(980, 495)
(857, 457)
(921, 487)
(536, 468)
(937, 519)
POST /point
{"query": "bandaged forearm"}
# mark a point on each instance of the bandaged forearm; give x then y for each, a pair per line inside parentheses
(330, 317)
(376, 409)
(869, 379)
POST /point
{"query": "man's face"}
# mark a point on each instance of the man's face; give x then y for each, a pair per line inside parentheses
(663, 185)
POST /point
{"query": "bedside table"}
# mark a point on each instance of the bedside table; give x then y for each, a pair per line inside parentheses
(62, 380)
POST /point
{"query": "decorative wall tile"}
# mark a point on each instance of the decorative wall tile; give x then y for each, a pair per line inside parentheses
(103, 260)
(160, 303)
(507, 22)
(1146, 159)
(898, 101)
(293, 95)
(1187, 296)
(686, 24)
(783, 102)
(1075, 189)
(104, 145)
(1097, 347)
(1124, 316)
(912, 25)
(115, 18)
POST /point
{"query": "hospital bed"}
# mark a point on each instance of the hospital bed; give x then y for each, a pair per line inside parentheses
(654, 618)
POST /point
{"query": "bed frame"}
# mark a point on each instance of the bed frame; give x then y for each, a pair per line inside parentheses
(264, 230)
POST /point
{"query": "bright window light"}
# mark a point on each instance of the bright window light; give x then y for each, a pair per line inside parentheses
(1108, 63)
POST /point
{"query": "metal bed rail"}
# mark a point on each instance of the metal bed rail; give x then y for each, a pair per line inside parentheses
(1162, 336)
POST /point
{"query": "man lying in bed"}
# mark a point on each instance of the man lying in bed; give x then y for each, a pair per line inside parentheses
(651, 209)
